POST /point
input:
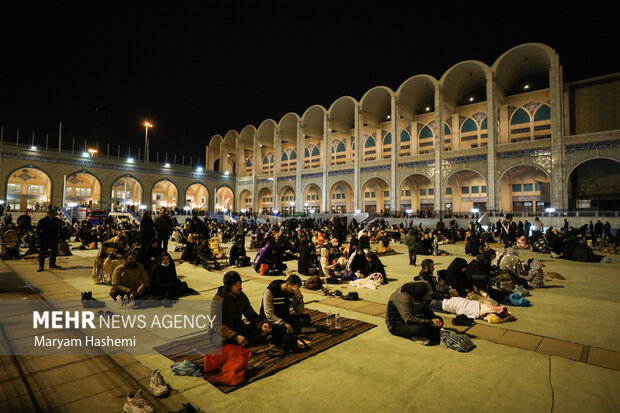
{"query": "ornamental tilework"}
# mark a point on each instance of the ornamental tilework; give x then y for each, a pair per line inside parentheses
(478, 117)
(417, 163)
(465, 159)
(263, 181)
(375, 168)
(313, 175)
(531, 107)
(341, 172)
(524, 152)
(286, 178)
(593, 145)
(461, 120)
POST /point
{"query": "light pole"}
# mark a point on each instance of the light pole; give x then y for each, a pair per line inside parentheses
(147, 125)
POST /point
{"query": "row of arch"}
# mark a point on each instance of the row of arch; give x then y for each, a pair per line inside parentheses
(522, 188)
(30, 187)
(467, 83)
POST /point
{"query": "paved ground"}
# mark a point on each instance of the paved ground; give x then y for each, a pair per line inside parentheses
(561, 354)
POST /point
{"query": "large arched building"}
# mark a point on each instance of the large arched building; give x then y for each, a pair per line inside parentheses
(512, 136)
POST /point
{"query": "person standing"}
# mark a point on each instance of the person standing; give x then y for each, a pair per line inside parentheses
(164, 228)
(48, 231)
(508, 235)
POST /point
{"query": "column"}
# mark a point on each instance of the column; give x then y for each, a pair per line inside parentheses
(255, 160)
(559, 197)
(439, 137)
(300, 163)
(394, 117)
(492, 191)
(358, 154)
(277, 154)
(326, 153)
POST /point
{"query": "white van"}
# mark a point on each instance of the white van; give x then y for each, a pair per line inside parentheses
(122, 217)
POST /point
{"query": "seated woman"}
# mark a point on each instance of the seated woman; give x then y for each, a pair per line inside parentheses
(479, 271)
(307, 263)
(238, 257)
(455, 276)
(164, 284)
(374, 266)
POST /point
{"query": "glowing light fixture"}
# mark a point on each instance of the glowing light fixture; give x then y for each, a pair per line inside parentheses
(471, 99)
(550, 210)
(475, 210)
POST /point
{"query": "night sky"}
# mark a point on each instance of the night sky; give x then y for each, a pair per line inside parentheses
(198, 69)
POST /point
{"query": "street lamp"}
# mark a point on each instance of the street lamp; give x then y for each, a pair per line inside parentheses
(147, 125)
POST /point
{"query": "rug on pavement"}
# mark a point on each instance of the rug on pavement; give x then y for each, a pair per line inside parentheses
(261, 363)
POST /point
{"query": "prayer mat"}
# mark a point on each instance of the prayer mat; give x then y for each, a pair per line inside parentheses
(261, 363)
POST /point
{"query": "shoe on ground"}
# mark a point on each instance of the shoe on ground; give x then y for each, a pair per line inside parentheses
(55, 266)
(136, 404)
(422, 341)
(40, 269)
(158, 385)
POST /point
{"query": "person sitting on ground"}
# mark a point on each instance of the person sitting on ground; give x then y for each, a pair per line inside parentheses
(408, 314)
(307, 262)
(479, 271)
(164, 283)
(364, 241)
(373, 266)
(238, 257)
(112, 249)
(234, 306)
(151, 254)
(130, 278)
(326, 269)
(455, 276)
(278, 300)
(440, 290)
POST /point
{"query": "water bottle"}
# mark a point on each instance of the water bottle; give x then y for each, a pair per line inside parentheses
(125, 299)
(119, 303)
(131, 303)
(337, 320)
(328, 319)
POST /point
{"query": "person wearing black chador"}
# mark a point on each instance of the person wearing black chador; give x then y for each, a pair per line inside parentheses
(165, 285)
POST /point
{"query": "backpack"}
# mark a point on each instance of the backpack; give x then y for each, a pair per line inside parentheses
(459, 342)
(314, 283)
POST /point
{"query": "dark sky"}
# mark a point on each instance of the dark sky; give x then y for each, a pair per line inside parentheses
(197, 69)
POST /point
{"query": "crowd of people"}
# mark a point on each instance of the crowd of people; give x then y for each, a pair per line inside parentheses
(135, 261)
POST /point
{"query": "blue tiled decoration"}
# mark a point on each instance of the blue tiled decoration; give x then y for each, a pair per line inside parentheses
(593, 145)
(263, 181)
(341, 172)
(417, 163)
(375, 168)
(285, 178)
(314, 175)
(464, 159)
(91, 163)
(524, 152)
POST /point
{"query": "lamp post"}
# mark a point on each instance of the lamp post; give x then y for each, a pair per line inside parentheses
(147, 125)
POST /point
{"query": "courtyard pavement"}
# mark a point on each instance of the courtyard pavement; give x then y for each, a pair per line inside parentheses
(561, 354)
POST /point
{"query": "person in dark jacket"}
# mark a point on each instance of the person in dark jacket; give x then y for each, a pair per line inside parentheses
(164, 226)
(164, 284)
(147, 230)
(374, 265)
(238, 256)
(234, 306)
(412, 239)
(408, 314)
(440, 290)
(48, 231)
(479, 270)
(509, 232)
(23, 223)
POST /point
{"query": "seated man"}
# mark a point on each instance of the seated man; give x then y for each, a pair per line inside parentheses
(235, 305)
(278, 299)
(112, 249)
(130, 278)
(408, 314)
